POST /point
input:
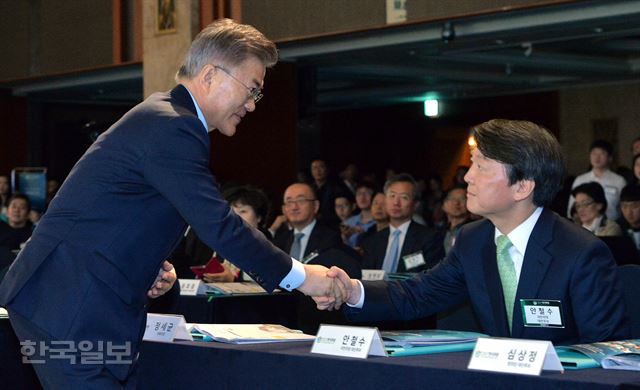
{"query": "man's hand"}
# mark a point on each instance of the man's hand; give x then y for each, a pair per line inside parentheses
(349, 288)
(164, 281)
(318, 285)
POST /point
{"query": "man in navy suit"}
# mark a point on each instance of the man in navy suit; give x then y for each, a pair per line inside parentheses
(100, 250)
(521, 258)
(317, 243)
(418, 247)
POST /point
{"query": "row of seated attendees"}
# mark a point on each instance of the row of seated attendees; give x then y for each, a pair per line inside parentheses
(426, 216)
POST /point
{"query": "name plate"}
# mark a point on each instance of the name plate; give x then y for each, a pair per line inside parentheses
(348, 341)
(165, 327)
(373, 274)
(515, 356)
(192, 287)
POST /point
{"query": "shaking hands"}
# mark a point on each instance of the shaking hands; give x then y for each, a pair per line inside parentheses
(329, 288)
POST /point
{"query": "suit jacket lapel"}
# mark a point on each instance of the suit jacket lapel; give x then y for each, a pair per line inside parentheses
(382, 249)
(313, 243)
(534, 266)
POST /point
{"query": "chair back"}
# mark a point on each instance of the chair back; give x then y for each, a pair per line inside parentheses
(629, 276)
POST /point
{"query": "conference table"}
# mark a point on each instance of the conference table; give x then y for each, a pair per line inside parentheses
(184, 365)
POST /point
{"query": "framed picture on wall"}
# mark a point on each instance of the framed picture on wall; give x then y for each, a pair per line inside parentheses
(166, 17)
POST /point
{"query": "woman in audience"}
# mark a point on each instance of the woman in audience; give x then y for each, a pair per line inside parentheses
(380, 216)
(591, 205)
(252, 205)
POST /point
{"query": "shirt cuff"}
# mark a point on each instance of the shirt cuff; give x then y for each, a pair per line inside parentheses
(295, 277)
(360, 302)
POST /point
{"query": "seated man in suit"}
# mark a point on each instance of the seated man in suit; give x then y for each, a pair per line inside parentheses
(520, 253)
(405, 246)
(301, 207)
(18, 228)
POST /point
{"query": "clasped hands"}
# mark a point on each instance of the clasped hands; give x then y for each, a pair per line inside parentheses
(329, 288)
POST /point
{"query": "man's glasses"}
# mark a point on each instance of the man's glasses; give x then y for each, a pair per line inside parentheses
(254, 93)
(297, 202)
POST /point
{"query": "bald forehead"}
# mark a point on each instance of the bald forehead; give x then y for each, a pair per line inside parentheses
(298, 190)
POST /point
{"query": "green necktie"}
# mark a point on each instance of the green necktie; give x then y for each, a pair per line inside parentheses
(507, 272)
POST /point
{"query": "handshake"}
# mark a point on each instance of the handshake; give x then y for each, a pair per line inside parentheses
(329, 288)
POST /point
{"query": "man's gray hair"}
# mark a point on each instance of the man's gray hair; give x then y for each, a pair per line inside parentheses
(227, 43)
(404, 178)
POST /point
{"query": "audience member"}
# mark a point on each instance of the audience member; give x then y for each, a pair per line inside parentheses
(359, 223)
(18, 228)
(630, 207)
(455, 208)
(327, 191)
(52, 189)
(344, 206)
(350, 177)
(380, 218)
(635, 146)
(433, 214)
(458, 177)
(248, 202)
(405, 246)
(5, 193)
(308, 235)
(600, 156)
(591, 206)
(635, 166)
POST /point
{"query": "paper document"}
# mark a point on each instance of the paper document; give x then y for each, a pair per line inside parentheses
(246, 333)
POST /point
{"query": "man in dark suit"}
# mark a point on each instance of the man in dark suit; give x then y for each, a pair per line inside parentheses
(300, 207)
(404, 246)
(100, 250)
(521, 257)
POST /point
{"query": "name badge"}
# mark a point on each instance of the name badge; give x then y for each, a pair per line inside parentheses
(541, 313)
(309, 257)
(373, 274)
(413, 260)
(164, 327)
(350, 341)
(192, 287)
(516, 356)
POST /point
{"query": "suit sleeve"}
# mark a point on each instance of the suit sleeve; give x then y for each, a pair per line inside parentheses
(176, 165)
(425, 294)
(596, 297)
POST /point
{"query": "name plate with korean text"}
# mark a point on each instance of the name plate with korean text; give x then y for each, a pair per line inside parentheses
(165, 327)
(348, 341)
(192, 287)
(515, 356)
(373, 274)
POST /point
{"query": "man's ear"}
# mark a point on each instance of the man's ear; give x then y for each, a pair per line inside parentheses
(207, 73)
(523, 189)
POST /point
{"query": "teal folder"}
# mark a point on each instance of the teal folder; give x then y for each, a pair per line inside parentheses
(423, 342)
